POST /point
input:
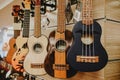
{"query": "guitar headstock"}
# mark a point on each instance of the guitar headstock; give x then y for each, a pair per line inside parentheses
(16, 9)
(26, 4)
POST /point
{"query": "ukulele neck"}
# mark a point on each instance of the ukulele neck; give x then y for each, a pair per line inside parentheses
(87, 12)
(37, 26)
(26, 23)
(61, 16)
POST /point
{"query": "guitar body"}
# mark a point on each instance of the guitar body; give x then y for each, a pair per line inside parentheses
(34, 61)
(19, 55)
(11, 51)
(51, 60)
(76, 49)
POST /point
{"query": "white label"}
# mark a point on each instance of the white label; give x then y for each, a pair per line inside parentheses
(17, 26)
(77, 15)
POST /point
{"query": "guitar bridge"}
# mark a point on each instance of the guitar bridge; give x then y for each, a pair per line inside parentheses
(87, 59)
(37, 65)
(60, 67)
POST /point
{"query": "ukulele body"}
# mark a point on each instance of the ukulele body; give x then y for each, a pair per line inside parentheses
(50, 58)
(75, 51)
(11, 51)
(34, 61)
(19, 55)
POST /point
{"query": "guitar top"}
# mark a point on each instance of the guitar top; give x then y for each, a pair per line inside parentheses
(87, 53)
(12, 41)
(34, 61)
(56, 64)
(21, 41)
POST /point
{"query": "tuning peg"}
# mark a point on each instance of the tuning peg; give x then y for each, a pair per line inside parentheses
(23, 5)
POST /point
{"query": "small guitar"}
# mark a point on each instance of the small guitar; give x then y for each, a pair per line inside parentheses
(21, 41)
(34, 61)
(56, 64)
(17, 28)
(87, 53)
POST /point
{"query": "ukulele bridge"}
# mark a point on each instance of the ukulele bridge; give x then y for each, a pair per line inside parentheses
(37, 65)
(60, 67)
(87, 59)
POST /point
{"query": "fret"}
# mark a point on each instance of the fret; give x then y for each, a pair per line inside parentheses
(26, 23)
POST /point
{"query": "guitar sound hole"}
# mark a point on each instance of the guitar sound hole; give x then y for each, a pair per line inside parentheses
(37, 48)
(61, 45)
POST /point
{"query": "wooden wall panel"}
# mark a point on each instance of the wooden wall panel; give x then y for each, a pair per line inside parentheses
(113, 9)
(112, 70)
(112, 39)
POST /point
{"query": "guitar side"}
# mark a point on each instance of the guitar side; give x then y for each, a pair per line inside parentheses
(19, 55)
(34, 61)
(76, 50)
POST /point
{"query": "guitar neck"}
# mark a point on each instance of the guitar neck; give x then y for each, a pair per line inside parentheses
(61, 16)
(26, 23)
(87, 12)
(16, 31)
(37, 26)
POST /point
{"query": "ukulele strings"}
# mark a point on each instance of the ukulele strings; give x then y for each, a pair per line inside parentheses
(89, 28)
(86, 29)
(92, 29)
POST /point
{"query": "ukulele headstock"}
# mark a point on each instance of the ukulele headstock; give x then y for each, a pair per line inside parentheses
(16, 9)
(26, 4)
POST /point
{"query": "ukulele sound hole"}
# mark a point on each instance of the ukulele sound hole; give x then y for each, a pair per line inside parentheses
(87, 40)
(37, 48)
(61, 45)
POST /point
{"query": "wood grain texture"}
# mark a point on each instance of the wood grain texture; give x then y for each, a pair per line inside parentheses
(112, 9)
(112, 70)
(112, 39)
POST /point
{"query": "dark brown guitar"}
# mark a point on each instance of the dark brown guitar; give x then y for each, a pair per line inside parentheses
(17, 28)
(59, 42)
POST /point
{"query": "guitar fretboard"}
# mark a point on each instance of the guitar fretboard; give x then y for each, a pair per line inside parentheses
(26, 23)
(61, 16)
(87, 12)
(37, 26)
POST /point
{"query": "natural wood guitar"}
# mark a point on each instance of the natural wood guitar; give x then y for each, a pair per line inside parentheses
(87, 53)
(17, 28)
(34, 61)
(21, 41)
(56, 64)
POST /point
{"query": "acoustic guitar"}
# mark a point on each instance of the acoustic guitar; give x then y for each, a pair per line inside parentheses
(21, 41)
(56, 64)
(17, 28)
(87, 53)
(37, 44)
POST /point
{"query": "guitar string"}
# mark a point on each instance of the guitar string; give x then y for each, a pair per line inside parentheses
(89, 27)
(86, 28)
(83, 30)
(93, 30)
